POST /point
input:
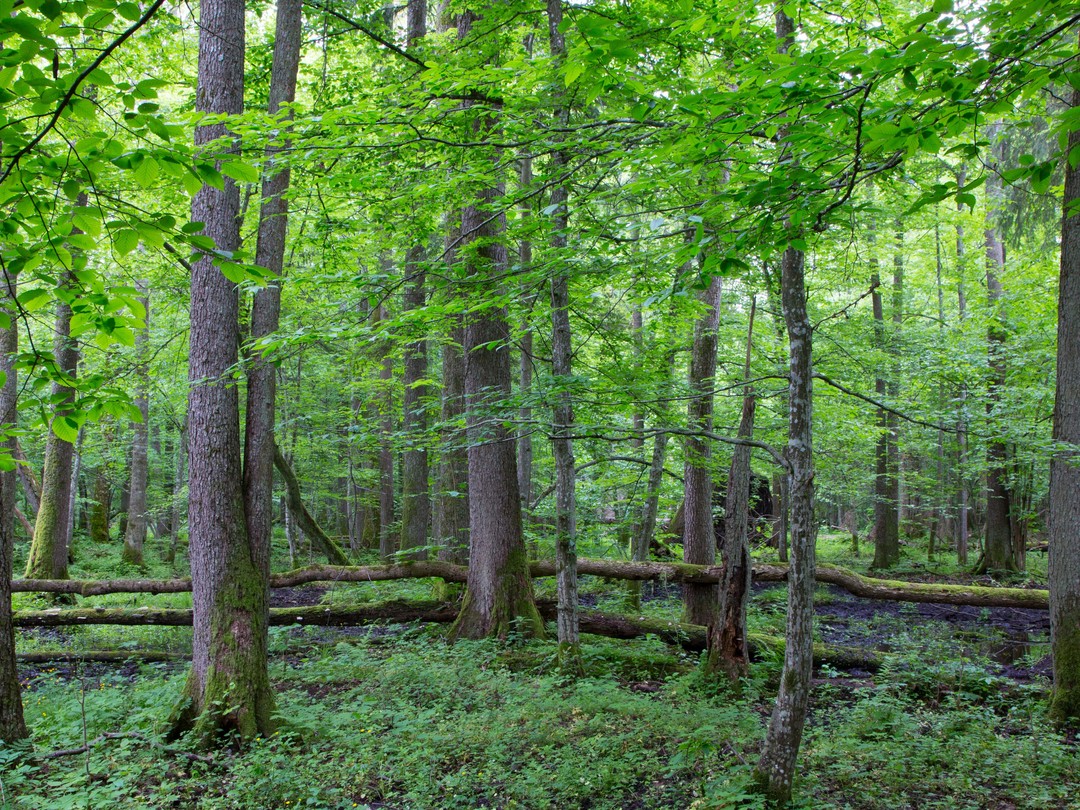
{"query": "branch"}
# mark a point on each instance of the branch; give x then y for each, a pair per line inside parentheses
(844, 389)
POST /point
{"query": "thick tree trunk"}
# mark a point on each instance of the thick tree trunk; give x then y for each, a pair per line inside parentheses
(728, 650)
(228, 689)
(298, 512)
(266, 305)
(12, 723)
(135, 537)
(1064, 571)
(699, 538)
(499, 591)
(48, 550)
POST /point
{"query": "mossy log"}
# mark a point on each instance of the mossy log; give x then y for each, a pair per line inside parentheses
(856, 584)
(691, 637)
(100, 656)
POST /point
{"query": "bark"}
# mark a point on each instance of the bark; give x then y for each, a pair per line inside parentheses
(561, 370)
(525, 357)
(997, 549)
(258, 488)
(886, 530)
(1064, 563)
(451, 519)
(728, 651)
(415, 500)
(48, 552)
(386, 446)
(961, 414)
(135, 536)
(699, 537)
(228, 689)
(30, 486)
(102, 506)
(499, 593)
(12, 723)
(308, 525)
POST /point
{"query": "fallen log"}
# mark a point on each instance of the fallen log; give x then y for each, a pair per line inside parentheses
(304, 519)
(856, 584)
(689, 636)
(100, 656)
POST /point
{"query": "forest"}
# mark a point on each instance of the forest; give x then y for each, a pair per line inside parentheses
(591, 404)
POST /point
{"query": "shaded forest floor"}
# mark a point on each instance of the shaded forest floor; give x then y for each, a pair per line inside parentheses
(392, 717)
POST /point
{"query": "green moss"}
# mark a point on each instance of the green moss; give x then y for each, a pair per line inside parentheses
(1065, 701)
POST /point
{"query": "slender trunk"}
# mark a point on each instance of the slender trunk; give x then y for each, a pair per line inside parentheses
(699, 538)
(31, 487)
(135, 537)
(452, 502)
(938, 529)
(386, 443)
(73, 495)
(12, 723)
(1064, 570)
(176, 507)
(258, 488)
(780, 482)
(728, 649)
(525, 416)
(228, 688)
(776, 767)
(300, 514)
(886, 529)
(48, 551)
(499, 591)
(415, 500)
(997, 549)
(964, 494)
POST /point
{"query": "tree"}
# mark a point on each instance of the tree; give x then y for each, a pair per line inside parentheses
(228, 689)
(135, 536)
(1064, 524)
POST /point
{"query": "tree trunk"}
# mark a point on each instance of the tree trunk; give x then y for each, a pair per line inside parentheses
(12, 723)
(964, 494)
(776, 767)
(30, 486)
(176, 513)
(886, 529)
(525, 357)
(228, 688)
(561, 370)
(386, 443)
(1064, 564)
(415, 500)
(728, 650)
(135, 537)
(48, 552)
(499, 590)
(699, 538)
(258, 489)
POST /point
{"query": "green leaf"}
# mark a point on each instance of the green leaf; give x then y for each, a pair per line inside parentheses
(241, 172)
(572, 72)
(125, 240)
(147, 172)
(66, 429)
(32, 300)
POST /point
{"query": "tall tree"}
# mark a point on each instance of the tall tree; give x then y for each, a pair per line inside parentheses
(886, 481)
(699, 537)
(1064, 565)
(135, 535)
(228, 688)
(266, 304)
(12, 723)
(499, 589)
(776, 766)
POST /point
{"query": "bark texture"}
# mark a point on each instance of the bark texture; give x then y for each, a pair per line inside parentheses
(12, 723)
(135, 536)
(499, 593)
(1064, 573)
(228, 689)
(259, 446)
(699, 537)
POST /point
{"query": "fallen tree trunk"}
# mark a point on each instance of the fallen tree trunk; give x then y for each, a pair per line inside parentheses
(100, 656)
(304, 520)
(690, 637)
(856, 584)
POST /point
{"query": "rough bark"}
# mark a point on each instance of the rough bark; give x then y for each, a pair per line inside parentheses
(499, 593)
(12, 723)
(48, 552)
(135, 536)
(1064, 564)
(699, 537)
(728, 651)
(228, 689)
(273, 227)
(415, 499)
(561, 370)
(886, 529)
(308, 525)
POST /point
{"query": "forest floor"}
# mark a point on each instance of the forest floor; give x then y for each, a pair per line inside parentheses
(392, 717)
